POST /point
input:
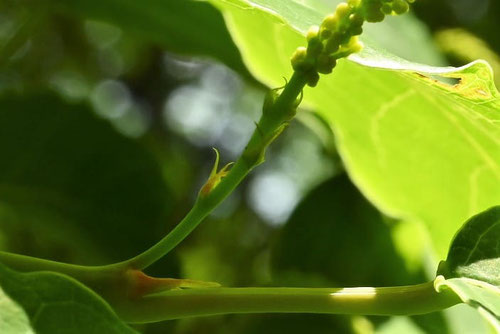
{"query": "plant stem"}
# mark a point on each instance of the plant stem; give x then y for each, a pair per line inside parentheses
(252, 156)
(88, 275)
(174, 304)
(265, 132)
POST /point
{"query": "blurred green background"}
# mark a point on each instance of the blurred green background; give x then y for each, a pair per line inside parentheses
(108, 114)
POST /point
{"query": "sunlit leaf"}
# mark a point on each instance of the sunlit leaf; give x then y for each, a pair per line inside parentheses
(420, 149)
(480, 295)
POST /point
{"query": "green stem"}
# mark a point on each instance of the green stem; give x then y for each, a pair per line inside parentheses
(251, 157)
(85, 274)
(268, 125)
(402, 300)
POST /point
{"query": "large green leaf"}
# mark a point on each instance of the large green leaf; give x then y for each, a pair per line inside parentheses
(75, 183)
(57, 304)
(420, 149)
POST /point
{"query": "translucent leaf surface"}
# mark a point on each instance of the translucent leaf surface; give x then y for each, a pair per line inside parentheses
(482, 296)
(58, 304)
(420, 149)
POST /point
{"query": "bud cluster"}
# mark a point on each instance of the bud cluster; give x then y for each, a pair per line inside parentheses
(375, 10)
(337, 37)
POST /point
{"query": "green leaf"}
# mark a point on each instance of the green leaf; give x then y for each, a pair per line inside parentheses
(56, 304)
(475, 250)
(420, 149)
(472, 268)
(13, 319)
(480, 295)
(74, 183)
(182, 26)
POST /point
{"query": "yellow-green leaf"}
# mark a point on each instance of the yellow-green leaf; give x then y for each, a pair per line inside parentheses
(420, 149)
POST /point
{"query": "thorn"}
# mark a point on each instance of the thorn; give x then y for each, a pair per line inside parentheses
(141, 284)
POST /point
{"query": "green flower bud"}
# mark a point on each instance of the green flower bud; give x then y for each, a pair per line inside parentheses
(345, 38)
(299, 58)
(314, 47)
(400, 6)
(324, 34)
(356, 31)
(325, 63)
(354, 3)
(312, 78)
(374, 16)
(333, 43)
(356, 20)
(312, 33)
(330, 22)
(342, 10)
(386, 9)
(353, 46)
(357, 47)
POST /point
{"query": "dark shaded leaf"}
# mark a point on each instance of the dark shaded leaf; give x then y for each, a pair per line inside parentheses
(63, 170)
(475, 250)
(181, 26)
(57, 304)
